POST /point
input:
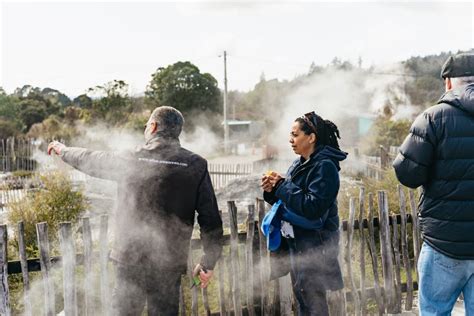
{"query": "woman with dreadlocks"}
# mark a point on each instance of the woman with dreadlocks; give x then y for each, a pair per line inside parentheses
(304, 221)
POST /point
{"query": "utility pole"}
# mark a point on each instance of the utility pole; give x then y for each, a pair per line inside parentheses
(226, 126)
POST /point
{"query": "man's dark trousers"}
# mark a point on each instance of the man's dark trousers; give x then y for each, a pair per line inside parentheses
(136, 285)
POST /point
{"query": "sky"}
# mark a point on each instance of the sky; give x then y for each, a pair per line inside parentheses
(74, 45)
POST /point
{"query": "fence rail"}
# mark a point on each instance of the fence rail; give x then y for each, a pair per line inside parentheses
(222, 174)
(243, 273)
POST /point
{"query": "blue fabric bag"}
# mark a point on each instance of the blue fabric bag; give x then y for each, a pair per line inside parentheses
(271, 223)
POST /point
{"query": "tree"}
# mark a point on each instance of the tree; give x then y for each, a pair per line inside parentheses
(56, 97)
(385, 132)
(83, 101)
(31, 112)
(112, 100)
(9, 107)
(7, 129)
(184, 87)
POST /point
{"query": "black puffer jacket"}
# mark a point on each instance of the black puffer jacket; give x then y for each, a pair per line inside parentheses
(160, 188)
(438, 154)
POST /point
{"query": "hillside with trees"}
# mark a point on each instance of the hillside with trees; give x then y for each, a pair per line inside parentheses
(49, 113)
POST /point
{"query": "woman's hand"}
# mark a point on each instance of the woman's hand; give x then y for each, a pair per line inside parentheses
(270, 180)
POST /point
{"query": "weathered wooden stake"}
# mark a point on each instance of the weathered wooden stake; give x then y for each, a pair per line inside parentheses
(234, 253)
(222, 296)
(24, 269)
(4, 292)
(363, 295)
(88, 273)
(373, 256)
(263, 253)
(69, 269)
(350, 235)
(43, 244)
(104, 261)
(415, 230)
(194, 290)
(205, 302)
(397, 265)
(285, 295)
(182, 304)
(386, 251)
(404, 242)
(249, 256)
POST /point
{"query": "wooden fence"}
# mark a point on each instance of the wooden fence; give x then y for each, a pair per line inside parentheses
(222, 174)
(16, 154)
(8, 197)
(375, 251)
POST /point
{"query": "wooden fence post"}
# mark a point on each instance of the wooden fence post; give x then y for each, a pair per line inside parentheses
(24, 269)
(230, 277)
(250, 266)
(396, 253)
(4, 158)
(104, 261)
(415, 230)
(69, 269)
(363, 295)
(205, 302)
(234, 253)
(263, 254)
(373, 256)
(4, 295)
(285, 295)
(404, 242)
(182, 304)
(222, 296)
(88, 277)
(194, 290)
(350, 235)
(386, 250)
(45, 262)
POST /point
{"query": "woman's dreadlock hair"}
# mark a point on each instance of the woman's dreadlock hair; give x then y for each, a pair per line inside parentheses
(325, 130)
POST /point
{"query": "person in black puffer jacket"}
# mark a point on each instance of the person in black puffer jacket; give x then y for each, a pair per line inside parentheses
(309, 193)
(438, 155)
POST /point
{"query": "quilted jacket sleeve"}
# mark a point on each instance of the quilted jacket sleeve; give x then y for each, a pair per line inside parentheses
(413, 162)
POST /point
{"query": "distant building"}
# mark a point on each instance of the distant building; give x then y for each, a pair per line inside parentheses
(243, 134)
(353, 127)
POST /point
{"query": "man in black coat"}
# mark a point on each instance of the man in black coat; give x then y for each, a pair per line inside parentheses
(438, 155)
(160, 187)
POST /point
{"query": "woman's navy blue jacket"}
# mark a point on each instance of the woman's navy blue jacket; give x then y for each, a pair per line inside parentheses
(310, 187)
(310, 190)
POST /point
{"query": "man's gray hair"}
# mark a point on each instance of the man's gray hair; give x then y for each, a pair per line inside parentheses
(170, 121)
(461, 81)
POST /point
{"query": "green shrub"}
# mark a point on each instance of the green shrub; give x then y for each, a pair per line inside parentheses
(57, 201)
(385, 132)
(23, 173)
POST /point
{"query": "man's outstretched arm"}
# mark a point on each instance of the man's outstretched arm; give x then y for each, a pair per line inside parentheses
(100, 164)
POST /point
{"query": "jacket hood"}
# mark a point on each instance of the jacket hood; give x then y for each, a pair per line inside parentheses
(462, 98)
(328, 152)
